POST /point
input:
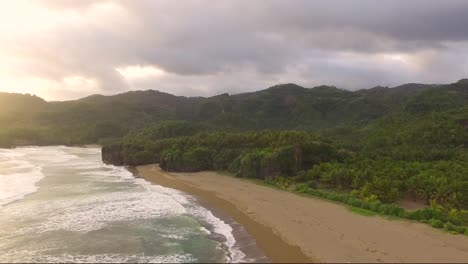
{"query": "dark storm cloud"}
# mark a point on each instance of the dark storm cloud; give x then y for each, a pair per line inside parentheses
(416, 20)
(217, 42)
(206, 37)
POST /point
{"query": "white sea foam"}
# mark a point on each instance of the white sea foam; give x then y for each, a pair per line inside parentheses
(192, 208)
(21, 170)
(94, 212)
(16, 186)
(173, 236)
(218, 225)
(83, 211)
(18, 178)
(38, 256)
(47, 154)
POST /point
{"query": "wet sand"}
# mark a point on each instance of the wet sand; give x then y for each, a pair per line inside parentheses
(292, 228)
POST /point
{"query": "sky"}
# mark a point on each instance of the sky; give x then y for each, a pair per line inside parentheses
(68, 49)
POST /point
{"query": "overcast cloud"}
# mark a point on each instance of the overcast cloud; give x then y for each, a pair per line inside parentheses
(66, 49)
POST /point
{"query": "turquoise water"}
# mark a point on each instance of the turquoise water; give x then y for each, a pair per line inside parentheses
(62, 204)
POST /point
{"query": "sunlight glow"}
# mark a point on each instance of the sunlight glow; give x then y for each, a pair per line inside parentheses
(397, 58)
(23, 17)
(80, 83)
(50, 89)
(140, 72)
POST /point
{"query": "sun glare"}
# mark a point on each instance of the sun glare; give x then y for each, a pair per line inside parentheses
(22, 17)
(397, 58)
(140, 72)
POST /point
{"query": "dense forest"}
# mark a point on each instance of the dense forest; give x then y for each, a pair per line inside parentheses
(368, 148)
(29, 120)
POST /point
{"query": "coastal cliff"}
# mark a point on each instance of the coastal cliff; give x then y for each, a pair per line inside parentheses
(124, 155)
(112, 155)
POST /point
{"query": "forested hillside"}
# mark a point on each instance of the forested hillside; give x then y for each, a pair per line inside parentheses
(29, 120)
(368, 148)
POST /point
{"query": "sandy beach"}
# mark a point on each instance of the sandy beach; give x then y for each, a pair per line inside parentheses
(292, 228)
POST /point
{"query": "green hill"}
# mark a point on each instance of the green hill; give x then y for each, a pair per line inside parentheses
(28, 119)
(367, 148)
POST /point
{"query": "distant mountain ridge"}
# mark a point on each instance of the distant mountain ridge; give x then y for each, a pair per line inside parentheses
(285, 87)
(283, 106)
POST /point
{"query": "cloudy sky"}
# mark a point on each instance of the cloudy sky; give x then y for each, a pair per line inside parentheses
(66, 49)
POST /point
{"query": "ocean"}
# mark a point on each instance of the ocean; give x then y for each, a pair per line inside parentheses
(63, 204)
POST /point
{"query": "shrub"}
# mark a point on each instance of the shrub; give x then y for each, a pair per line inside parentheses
(366, 205)
(224, 158)
(453, 228)
(312, 184)
(371, 198)
(457, 217)
(301, 176)
(436, 223)
(302, 188)
(280, 182)
(395, 210)
(250, 165)
(354, 202)
(234, 167)
(197, 159)
(375, 206)
(383, 209)
(316, 192)
(427, 214)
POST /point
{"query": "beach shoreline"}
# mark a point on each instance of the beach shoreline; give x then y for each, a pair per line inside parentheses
(272, 247)
(293, 228)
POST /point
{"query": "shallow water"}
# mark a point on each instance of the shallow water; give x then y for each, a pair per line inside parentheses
(62, 204)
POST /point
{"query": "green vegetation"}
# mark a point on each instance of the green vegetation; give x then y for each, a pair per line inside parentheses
(100, 119)
(361, 211)
(452, 220)
(368, 149)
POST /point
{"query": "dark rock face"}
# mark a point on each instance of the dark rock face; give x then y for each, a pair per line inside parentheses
(112, 155)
